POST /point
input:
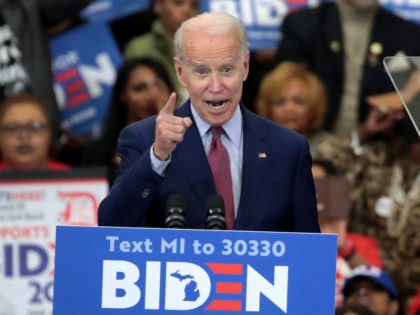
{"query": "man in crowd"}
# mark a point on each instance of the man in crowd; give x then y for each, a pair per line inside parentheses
(372, 287)
(344, 43)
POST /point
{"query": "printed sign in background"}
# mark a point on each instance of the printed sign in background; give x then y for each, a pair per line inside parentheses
(409, 9)
(30, 209)
(166, 271)
(85, 62)
(107, 10)
(262, 19)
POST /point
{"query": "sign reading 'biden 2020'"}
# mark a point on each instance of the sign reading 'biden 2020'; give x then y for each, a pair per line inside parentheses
(166, 271)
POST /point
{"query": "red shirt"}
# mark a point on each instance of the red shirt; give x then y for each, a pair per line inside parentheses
(52, 166)
(367, 247)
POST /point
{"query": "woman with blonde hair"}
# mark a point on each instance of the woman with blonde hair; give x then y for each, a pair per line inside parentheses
(294, 97)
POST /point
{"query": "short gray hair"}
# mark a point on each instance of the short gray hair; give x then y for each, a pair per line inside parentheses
(216, 23)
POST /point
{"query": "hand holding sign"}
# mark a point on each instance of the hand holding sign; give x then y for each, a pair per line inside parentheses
(170, 130)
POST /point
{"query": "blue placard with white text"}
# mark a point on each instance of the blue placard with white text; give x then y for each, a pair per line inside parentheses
(102, 270)
(108, 10)
(85, 62)
(262, 19)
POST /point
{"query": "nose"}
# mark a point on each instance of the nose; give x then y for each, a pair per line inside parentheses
(24, 133)
(152, 91)
(215, 84)
(361, 293)
(290, 104)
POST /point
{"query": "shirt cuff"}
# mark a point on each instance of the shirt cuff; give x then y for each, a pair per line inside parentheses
(157, 165)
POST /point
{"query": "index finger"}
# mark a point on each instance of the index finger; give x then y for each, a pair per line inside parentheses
(170, 105)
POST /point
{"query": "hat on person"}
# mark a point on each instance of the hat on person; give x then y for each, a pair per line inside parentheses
(374, 274)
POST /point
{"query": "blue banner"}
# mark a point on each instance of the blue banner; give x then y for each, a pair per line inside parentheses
(166, 271)
(107, 10)
(85, 62)
(409, 9)
(262, 18)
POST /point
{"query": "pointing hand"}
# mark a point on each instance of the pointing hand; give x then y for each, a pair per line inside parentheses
(170, 130)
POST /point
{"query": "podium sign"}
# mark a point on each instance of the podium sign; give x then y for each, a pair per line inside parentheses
(166, 271)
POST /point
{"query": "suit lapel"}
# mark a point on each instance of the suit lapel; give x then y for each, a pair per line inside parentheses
(333, 37)
(378, 38)
(254, 159)
(191, 159)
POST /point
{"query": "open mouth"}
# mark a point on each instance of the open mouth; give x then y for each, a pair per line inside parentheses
(24, 149)
(217, 105)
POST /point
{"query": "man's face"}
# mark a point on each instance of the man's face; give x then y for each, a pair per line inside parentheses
(174, 12)
(373, 296)
(213, 73)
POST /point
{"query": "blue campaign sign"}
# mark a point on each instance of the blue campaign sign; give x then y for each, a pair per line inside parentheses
(107, 10)
(262, 19)
(85, 62)
(101, 270)
(409, 9)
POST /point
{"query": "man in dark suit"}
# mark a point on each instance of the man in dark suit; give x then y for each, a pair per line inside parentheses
(344, 42)
(270, 166)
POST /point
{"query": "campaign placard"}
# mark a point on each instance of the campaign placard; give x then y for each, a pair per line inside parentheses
(409, 9)
(31, 205)
(85, 62)
(104, 270)
(108, 10)
(262, 19)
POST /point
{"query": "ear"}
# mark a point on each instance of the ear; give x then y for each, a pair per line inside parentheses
(246, 66)
(179, 71)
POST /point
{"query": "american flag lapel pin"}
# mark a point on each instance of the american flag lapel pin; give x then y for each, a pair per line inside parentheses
(262, 155)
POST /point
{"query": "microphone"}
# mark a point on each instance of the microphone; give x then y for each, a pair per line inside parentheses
(215, 206)
(175, 214)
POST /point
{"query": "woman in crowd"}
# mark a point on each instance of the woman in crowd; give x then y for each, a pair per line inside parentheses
(26, 135)
(141, 88)
(293, 97)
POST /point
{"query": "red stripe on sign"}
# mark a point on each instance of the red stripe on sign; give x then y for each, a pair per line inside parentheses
(75, 86)
(223, 305)
(64, 76)
(229, 287)
(78, 99)
(226, 269)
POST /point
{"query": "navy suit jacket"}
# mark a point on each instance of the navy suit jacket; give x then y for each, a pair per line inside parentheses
(314, 36)
(277, 192)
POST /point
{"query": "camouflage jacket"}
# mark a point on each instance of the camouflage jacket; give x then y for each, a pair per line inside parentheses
(385, 195)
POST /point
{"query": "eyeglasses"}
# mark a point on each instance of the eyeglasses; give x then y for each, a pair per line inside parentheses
(33, 127)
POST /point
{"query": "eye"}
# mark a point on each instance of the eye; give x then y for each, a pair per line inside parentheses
(227, 69)
(278, 103)
(299, 101)
(140, 87)
(201, 71)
